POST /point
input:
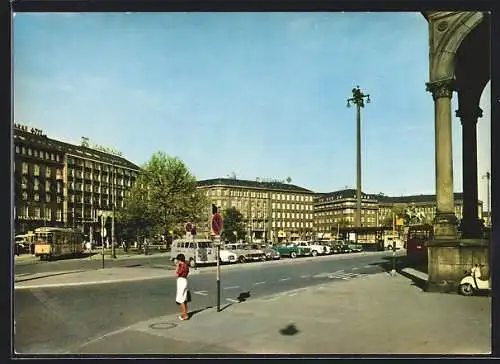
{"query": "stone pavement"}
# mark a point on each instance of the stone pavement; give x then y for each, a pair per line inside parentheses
(377, 314)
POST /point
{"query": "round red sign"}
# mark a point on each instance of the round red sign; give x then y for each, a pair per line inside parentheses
(217, 223)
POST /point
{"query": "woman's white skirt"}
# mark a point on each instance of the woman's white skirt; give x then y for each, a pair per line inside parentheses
(182, 288)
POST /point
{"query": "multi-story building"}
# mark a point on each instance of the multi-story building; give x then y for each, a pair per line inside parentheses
(421, 205)
(61, 184)
(272, 210)
(337, 209)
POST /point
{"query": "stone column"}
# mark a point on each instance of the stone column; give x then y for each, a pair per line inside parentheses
(445, 222)
(471, 227)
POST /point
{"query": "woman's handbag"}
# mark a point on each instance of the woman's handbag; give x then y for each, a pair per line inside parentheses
(188, 296)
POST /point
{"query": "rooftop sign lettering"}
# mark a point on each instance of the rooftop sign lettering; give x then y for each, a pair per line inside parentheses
(28, 129)
(87, 143)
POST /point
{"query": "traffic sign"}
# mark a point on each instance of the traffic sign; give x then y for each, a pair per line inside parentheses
(217, 223)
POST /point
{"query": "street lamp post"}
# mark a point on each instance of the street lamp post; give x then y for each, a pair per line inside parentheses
(358, 98)
(113, 199)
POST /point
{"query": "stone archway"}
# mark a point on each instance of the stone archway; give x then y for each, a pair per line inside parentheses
(457, 40)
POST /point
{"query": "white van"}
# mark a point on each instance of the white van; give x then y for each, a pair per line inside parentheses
(203, 250)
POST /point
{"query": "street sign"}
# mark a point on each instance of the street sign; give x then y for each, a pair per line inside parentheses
(217, 223)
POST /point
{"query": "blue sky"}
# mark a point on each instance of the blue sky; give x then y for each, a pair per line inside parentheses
(257, 94)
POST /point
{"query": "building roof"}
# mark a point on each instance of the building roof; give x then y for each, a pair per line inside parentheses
(43, 141)
(413, 198)
(232, 182)
(381, 198)
(347, 193)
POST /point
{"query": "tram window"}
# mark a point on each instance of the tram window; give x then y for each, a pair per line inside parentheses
(49, 238)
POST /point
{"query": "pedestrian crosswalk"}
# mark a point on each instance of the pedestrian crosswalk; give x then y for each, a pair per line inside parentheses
(339, 274)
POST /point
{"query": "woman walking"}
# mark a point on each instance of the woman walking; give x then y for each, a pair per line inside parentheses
(181, 296)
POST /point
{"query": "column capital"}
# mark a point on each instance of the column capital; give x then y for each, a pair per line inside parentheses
(469, 115)
(441, 89)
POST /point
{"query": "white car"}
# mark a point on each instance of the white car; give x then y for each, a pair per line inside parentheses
(316, 248)
(227, 256)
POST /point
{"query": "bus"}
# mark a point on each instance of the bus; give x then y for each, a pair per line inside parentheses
(418, 235)
(51, 242)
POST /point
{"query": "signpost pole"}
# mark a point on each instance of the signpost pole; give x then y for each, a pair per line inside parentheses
(102, 239)
(393, 272)
(217, 224)
(218, 277)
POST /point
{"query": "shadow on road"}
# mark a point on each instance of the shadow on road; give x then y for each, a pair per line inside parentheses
(226, 306)
(399, 263)
(47, 275)
(192, 313)
(289, 330)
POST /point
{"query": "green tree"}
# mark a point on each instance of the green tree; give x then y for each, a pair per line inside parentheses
(386, 221)
(163, 197)
(233, 221)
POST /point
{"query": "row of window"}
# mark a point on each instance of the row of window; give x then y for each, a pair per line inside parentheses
(36, 197)
(258, 195)
(35, 212)
(346, 219)
(292, 215)
(37, 169)
(292, 224)
(36, 185)
(344, 211)
(99, 166)
(79, 187)
(339, 197)
(38, 153)
(120, 181)
(96, 201)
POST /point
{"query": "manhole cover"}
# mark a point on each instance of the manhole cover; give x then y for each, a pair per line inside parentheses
(162, 326)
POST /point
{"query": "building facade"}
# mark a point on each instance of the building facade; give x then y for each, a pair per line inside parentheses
(65, 185)
(272, 210)
(337, 209)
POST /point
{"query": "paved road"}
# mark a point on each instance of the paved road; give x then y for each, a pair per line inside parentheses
(52, 320)
(33, 266)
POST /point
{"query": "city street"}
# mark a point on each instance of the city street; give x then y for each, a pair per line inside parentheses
(53, 320)
(31, 265)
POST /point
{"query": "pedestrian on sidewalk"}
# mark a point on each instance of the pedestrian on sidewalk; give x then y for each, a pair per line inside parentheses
(181, 296)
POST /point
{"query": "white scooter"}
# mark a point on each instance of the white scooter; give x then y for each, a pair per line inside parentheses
(471, 283)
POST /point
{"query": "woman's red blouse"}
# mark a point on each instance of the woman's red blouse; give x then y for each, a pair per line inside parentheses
(182, 270)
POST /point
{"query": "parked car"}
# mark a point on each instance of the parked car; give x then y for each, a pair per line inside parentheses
(328, 247)
(355, 248)
(245, 253)
(227, 256)
(342, 246)
(292, 250)
(203, 250)
(316, 247)
(270, 253)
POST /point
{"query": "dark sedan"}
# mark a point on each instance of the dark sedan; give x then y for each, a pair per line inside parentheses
(268, 251)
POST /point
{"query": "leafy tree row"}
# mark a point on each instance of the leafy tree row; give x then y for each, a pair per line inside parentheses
(163, 198)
